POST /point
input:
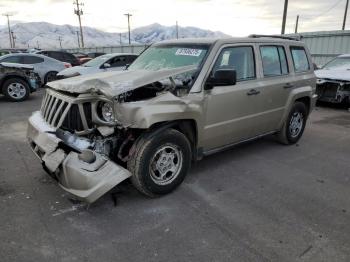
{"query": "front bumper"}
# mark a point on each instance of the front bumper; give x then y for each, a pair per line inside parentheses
(86, 181)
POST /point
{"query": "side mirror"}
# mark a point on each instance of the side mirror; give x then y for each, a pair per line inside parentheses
(222, 77)
(106, 65)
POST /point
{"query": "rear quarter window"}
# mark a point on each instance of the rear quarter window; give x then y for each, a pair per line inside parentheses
(300, 60)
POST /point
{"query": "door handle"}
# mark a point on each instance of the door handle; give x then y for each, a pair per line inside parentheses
(288, 85)
(253, 92)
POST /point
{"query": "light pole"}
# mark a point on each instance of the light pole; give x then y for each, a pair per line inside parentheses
(79, 13)
(284, 16)
(345, 14)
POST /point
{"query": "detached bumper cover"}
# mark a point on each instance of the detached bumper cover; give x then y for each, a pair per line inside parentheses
(87, 181)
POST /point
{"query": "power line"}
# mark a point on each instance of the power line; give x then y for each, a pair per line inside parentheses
(345, 14)
(9, 28)
(128, 15)
(79, 12)
(60, 40)
(285, 10)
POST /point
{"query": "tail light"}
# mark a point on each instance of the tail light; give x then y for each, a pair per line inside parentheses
(67, 65)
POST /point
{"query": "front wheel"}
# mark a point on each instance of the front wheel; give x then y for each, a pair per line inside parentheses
(50, 76)
(294, 126)
(16, 90)
(160, 163)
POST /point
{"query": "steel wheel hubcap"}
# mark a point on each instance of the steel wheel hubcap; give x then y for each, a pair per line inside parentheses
(16, 90)
(296, 124)
(166, 164)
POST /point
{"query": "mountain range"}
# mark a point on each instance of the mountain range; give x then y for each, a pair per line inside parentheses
(46, 35)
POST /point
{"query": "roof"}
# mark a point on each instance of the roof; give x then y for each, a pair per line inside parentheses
(210, 41)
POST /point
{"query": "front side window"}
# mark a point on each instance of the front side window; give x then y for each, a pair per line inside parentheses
(274, 60)
(240, 58)
(117, 61)
(300, 61)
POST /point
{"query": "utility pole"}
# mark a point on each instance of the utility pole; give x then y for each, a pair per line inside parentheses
(120, 38)
(60, 40)
(296, 25)
(78, 38)
(79, 13)
(177, 30)
(13, 39)
(37, 43)
(9, 28)
(128, 15)
(345, 14)
(284, 16)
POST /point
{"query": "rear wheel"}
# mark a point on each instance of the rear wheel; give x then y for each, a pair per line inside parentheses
(294, 126)
(16, 89)
(161, 162)
(50, 76)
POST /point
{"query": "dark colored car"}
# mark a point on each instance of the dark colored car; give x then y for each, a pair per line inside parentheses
(17, 81)
(95, 54)
(61, 56)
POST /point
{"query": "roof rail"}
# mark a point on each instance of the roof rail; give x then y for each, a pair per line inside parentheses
(296, 38)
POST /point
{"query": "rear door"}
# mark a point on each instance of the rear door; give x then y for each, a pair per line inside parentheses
(230, 112)
(274, 87)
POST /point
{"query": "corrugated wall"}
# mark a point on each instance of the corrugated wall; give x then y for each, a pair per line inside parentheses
(325, 45)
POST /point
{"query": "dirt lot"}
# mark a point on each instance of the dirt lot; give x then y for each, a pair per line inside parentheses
(257, 202)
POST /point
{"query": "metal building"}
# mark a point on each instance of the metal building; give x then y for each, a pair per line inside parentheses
(325, 45)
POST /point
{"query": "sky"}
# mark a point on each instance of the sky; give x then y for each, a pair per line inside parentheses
(233, 17)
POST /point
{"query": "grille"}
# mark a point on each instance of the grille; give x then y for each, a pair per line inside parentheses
(65, 112)
(328, 90)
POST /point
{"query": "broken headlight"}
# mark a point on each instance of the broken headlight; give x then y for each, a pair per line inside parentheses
(106, 111)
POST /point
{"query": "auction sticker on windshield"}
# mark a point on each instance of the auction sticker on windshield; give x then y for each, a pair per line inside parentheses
(188, 51)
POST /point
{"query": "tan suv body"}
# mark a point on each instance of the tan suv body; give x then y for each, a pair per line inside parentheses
(179, 101)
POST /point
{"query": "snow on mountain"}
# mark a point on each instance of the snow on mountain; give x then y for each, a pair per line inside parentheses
(46, 35)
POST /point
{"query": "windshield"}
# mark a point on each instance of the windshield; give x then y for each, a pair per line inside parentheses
(170, 56)
(98, 60)
(338, 62)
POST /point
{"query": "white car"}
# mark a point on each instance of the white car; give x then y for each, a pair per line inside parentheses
(333, 81)
(108, 62)
(45, 67)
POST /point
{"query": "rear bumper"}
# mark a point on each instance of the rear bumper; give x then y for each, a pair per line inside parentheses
(86, 181)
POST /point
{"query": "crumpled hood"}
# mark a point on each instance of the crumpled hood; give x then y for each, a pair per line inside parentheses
(112, 83)
(340, 73)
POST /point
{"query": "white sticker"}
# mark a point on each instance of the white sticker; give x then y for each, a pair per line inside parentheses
(188, 51)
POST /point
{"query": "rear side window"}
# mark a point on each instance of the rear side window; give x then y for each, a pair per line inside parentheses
(13, 59)
(32, 60)
(300, 61)
(240, 58)
(56, 55)
(274, 60)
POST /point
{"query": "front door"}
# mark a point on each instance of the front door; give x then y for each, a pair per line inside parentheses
(230, 110)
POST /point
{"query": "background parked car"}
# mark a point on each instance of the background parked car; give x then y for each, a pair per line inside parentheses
(17, 81)
(109, 62)
(333, 81)
(83, 58)
(61, 56)
(95, 54)
(45, 67)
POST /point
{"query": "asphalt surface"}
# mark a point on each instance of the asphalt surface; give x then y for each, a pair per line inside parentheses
(257, 202)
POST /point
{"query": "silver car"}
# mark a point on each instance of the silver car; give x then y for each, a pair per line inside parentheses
(108, 62)
(45, 67)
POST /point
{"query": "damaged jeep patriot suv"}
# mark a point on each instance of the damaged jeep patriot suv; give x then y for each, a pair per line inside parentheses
(177, 102)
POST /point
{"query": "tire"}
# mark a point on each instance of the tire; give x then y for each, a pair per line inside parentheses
(50, 76)
(16, 89)
(169, 148)
(293, 127)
